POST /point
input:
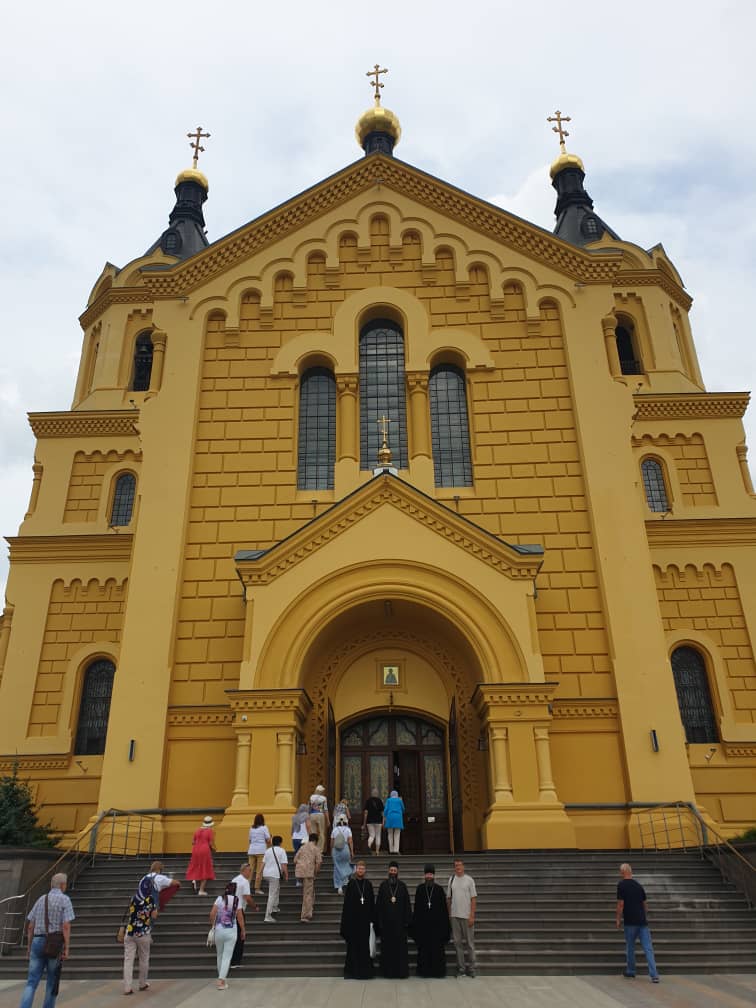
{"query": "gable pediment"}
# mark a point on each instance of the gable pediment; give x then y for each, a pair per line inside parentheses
(259, 567)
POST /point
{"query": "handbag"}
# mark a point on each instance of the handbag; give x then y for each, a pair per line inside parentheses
(54, 940)
(211, 937)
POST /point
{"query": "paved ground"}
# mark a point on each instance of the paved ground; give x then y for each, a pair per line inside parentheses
(726, 991)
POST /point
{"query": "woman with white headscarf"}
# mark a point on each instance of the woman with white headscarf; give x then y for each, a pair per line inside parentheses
(342, 853)
(393, 820)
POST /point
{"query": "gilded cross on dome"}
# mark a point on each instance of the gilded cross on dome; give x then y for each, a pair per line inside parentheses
(196, 137)
(377, 84)
(384, 455)
(558, 118)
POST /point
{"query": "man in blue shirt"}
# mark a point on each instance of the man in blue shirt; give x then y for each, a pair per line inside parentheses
(631, 911)
(52, 912)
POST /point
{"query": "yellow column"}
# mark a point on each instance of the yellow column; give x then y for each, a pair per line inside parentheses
(526, 811)
(34, 496)
(346, 419)
(502, 782)
(158, 359)
(285, 777)
(241, 781)
(5, 629)
(609, 325)
(745, 472)
(419, 413)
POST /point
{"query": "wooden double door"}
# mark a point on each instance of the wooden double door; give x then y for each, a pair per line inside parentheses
(406, 754)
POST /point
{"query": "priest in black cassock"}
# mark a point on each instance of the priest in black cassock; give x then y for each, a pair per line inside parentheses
(430, 927)
(357, 915)
(393, 913)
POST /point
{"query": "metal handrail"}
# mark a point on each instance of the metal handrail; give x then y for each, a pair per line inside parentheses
(83, 851)
(710, 844)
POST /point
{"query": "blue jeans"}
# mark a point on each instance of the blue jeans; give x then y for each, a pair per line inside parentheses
(633, 932)
(38, 965)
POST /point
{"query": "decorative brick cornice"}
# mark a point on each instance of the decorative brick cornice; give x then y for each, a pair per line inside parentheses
(84, 424)
(31, 763)
(119, 295)
(654, 278)
(179, 717)
(691, 406)
(113, 547)
(570, 710)
(740, 751)
(520, 701)
(261, 568)
(701, 531)
(270, 700)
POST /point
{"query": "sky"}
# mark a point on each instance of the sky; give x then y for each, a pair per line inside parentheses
(97, 100)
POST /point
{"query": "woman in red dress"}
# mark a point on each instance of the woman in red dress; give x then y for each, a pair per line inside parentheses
(201, 864)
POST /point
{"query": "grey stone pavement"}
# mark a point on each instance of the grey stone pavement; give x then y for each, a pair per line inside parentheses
(721, 991)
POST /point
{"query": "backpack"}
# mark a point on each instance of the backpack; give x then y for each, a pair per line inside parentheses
(227, 914)
(339, 841)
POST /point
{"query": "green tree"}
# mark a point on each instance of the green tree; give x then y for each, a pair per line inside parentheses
(19, 824)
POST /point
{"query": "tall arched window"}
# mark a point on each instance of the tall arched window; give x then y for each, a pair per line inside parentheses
(693, 695)
(627, 348)
(123, 499)
(317, 430)
(94, 709)
(450, 431)
(654, 485)
(142, 363)
(382, 392)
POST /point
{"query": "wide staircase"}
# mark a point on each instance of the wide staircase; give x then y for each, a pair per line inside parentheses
(539, 912)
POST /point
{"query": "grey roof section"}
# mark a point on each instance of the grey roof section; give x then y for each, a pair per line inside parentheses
(533, 549)
(185, 235)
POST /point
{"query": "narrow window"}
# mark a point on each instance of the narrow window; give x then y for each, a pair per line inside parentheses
(142, 363)
(382, 392)
(94, 709)
(123, 499)
(450, 432)
(693, 695)
(317, 430)
(654, 485)
(626, 348)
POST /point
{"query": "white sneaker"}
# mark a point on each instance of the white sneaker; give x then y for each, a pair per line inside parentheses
(269, 920)
(340, 891)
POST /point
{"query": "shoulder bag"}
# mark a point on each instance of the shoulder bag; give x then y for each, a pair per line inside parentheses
(54, 940)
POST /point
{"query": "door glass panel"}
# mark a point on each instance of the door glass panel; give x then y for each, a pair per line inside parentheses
(435, 792)
(379, 775)
(351, 784)
(352, 736)
(378, 732)
(406, 731)
(430, 735)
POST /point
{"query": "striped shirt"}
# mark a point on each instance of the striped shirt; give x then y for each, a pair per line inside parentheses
(59, 912)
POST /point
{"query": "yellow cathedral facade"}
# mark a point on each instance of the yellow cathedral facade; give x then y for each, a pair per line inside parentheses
(388, 488)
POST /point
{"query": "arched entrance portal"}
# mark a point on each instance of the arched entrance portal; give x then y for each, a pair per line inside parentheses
(406, 753)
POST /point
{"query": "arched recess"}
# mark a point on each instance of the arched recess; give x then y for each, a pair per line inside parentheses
(493, 645)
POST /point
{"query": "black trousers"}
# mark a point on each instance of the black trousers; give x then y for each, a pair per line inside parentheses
(236, 955)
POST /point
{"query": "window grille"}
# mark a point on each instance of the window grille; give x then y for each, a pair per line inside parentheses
(450, 431)
(317, 430)
(123, 499)
(693, 695)
(94, 709)
(654, 485)
(142, 363)
(382, 392)
(629, 363)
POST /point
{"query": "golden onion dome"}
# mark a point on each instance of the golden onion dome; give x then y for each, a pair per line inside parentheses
(193, 175)
(566, 160)
(377, 119)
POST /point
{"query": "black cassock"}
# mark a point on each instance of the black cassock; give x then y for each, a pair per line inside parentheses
(391, 923)
(356, 918)
(430, 929)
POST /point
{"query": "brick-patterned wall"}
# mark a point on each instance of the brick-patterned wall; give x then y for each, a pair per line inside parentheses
(708, 599)
(528, 476)
(691, 465)
(85, 487)
(78, 614)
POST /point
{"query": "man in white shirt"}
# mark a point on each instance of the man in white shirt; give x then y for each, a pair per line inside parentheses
(165, 886)
(461, 898)
(244, 897)
(320, 821)
(275, 868)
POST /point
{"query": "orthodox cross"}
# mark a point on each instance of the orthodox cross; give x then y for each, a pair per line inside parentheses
(196, 137)
(377, 84)
(558, 118)
(383, 423)
(384, 455)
